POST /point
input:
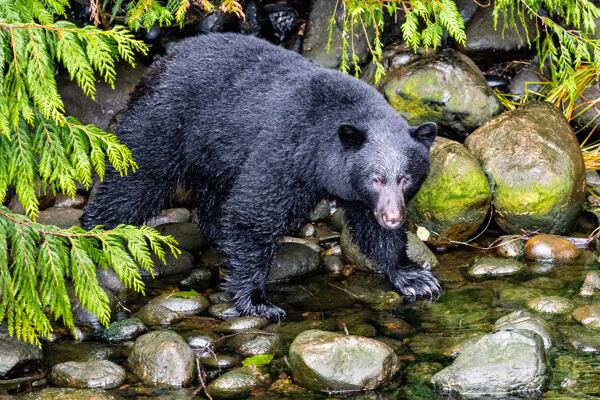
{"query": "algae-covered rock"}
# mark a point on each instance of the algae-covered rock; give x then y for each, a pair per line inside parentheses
(535, 166)
(455, 198)
(329, 361)
(447, 88)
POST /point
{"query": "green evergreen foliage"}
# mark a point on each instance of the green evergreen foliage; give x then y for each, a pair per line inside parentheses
(563, 39)
(42, 147)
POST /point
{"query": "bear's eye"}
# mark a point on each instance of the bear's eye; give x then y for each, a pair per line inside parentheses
(402, 179)
(378, 180)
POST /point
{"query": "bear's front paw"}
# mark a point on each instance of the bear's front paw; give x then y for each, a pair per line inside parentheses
(413, 282)
(259, 306)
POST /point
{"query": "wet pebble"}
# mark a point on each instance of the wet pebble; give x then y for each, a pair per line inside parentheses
(239, 383)
(490, 267)
(510, 246)
(162, 358)
(524, 320)
(550, 305)
(293, 260)
(513, 297)
(329, 361)
(582, 340)
(591, 284)
(550, 248)
(363, 329)
(217, 360)
(124, 330)
(321, 211)
(174, 266)
(240, 324)
(420, 253)
(588, 316)
(101, 374)
(223, 311)
(254, 343)
(201, 340)
(171, 307)
(200, 277)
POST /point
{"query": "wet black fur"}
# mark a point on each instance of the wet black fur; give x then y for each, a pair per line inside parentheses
(253, 129)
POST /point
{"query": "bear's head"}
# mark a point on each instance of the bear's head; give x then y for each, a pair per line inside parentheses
(388, 160)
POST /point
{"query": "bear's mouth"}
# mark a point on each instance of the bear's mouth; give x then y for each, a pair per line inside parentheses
(389, 223)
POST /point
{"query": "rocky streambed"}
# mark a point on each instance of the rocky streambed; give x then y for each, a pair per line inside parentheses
(525, 326)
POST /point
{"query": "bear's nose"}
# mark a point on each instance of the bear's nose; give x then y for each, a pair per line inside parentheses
(391, 218)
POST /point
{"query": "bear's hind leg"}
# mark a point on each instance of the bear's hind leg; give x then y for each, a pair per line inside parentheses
(130, 199)
(388, 249)
(208, 202)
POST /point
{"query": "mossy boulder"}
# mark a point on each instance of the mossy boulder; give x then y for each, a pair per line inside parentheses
(455, 198)
(446, 88)
(533, 161)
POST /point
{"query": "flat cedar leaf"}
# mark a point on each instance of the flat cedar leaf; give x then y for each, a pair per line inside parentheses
(189, 294)
(259, 360)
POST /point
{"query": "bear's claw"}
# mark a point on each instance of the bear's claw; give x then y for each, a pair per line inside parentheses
(415, 282)
(264, 308)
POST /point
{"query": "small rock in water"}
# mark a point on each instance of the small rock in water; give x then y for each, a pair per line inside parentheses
(169, 308)
(419, 253)
(240, 324)
(124, 330)
(239, 383)
(550, 305)
(220, 297)
(293, 260)
(490, 267)
(582, 340)
(591, 284)
(180, 265)
(101, 374)
(588, 316)
(202, 340)
(523, 320)
(326, 235)
(333, 264)
(71, 394)
(254, 343)
(510, 246)
(17, 355)
(550, 248)
(219, 360)
(162, 358)
(200, 277)
(224, 311)
(170, 215)
(329, 361)
(543, 282)
(500, 362)
(321, 211)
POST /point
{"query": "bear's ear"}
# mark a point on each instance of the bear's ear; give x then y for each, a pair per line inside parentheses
(425, 133)
(351, 137)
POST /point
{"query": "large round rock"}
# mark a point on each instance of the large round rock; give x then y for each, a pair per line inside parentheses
(501, 362)
(162, 358)
(455, 198)
(329, 361)
(447, 88)
(534, 163)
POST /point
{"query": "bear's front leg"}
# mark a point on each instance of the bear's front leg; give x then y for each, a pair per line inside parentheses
(256, 214)
(387, 248)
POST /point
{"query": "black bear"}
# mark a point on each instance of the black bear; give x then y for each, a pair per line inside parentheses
(261, 135)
